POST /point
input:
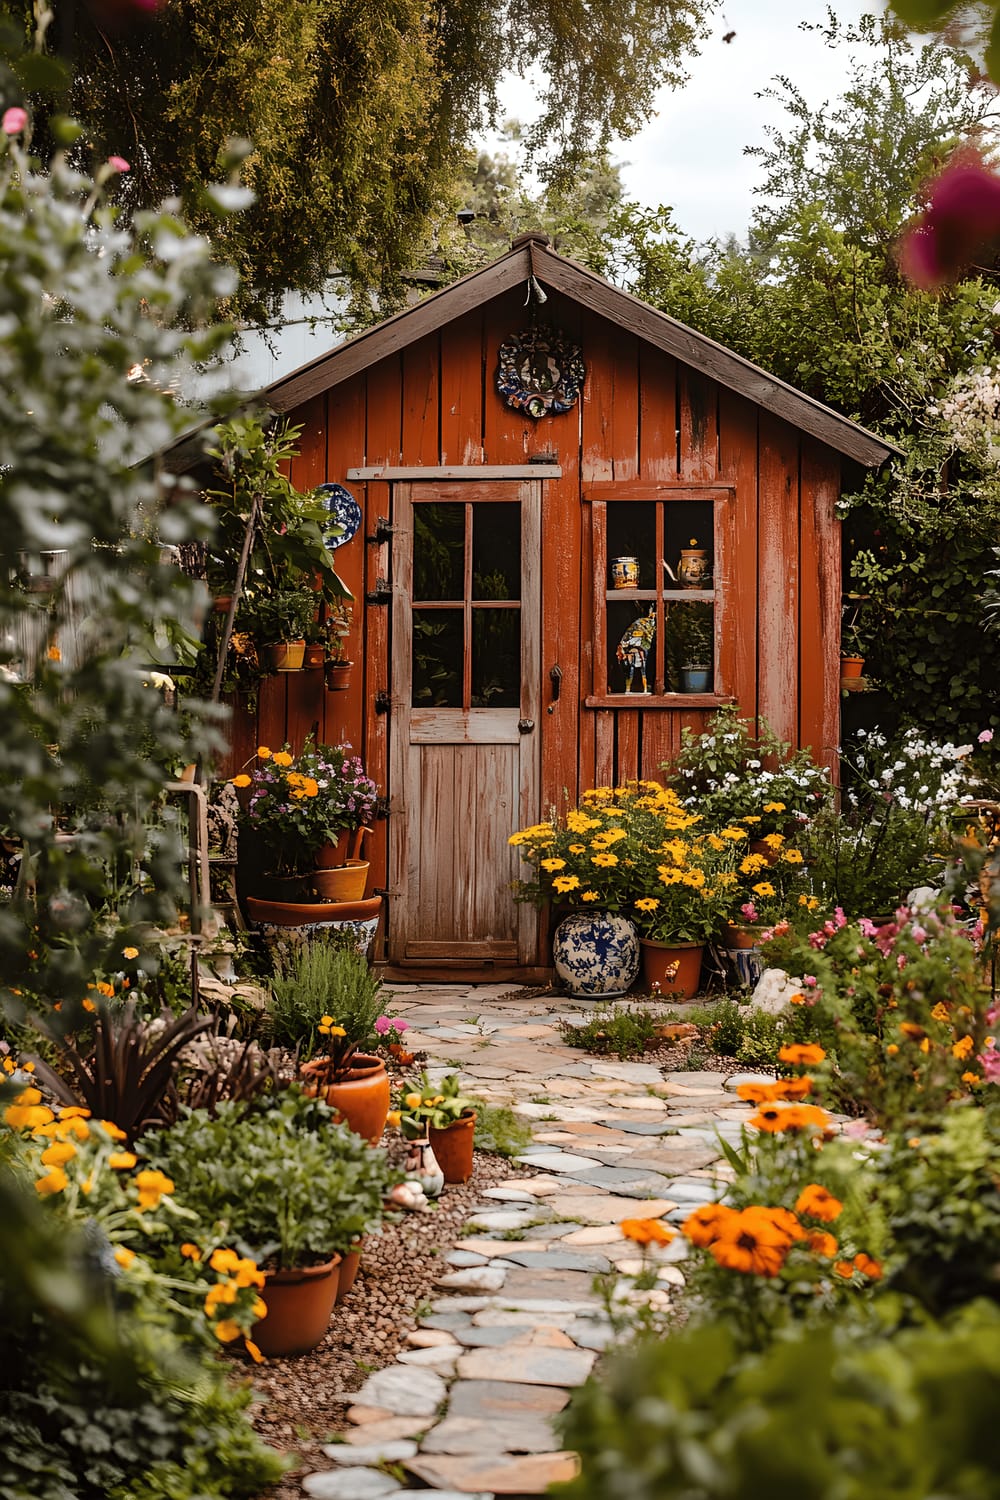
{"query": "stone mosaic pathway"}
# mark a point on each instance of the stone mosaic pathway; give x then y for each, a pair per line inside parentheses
(468, 1407)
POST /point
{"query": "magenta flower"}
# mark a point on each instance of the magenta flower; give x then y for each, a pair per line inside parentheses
(960, 223)
(119, 164)
(14, 120)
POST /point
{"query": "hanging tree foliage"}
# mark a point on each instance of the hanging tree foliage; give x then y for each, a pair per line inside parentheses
(358, 114)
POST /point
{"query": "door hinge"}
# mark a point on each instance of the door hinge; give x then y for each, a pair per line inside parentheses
(381, 593)
(383, 532)
(383, 702)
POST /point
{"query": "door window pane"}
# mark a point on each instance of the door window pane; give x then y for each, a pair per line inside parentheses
(438, 550)
(437, 658)
(689, 638)
(496, 658)
(496, 551)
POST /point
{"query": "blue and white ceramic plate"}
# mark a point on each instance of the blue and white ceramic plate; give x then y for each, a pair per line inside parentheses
(344, 509)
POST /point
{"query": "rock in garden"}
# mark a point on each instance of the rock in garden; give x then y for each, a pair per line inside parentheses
(773, 990)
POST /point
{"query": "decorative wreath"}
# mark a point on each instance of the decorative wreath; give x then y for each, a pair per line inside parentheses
(539, 373)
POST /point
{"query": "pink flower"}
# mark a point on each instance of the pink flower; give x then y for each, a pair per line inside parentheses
(818, 940)
(960, 222)
(119, 164)
(918, 933)
(749, 911)
(985, 737)
(809, 979)
(14, 120)
(838, 916)
(868, 928)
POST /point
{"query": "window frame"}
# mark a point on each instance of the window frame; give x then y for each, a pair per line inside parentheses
(597, 499)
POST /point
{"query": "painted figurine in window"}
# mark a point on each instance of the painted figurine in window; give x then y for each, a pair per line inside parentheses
(633, 648)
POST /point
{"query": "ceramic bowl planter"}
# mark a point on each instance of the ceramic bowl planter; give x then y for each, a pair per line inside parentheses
(299, 1303)
(453, 1147)
(361, 1099)
(596, 954)
(284, 924)
(674, 967)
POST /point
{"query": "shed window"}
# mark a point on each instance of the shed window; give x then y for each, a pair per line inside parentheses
(658, 571)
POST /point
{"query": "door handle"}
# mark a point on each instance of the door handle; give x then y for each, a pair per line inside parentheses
(525, 726)
(555, 677)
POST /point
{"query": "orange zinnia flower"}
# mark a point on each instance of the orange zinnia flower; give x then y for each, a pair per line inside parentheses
(703, 1226)
(646, 1231)
(769, 1093)
(751, 1242)
(868, 1266)
(801, 1054)
(776, 1118)
(845, 1268)
(821, 1243)
(819, 1203)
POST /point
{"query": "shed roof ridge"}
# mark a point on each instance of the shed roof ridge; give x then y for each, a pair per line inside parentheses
(532, 258)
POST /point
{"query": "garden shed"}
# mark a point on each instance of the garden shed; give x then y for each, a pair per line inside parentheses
(566, 497)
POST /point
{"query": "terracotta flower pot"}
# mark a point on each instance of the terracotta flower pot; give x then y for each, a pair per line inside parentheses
(314, 655)
(453, 1147)
(338, 675)
(742, 934)
(299, 1303)
(284, 656)
(349, 1267)
(342, 883)
(675, 967)
(361, 1100)
(851, 666)
(347, 846)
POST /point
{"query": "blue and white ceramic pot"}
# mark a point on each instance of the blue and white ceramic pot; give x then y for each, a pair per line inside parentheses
(595, 953)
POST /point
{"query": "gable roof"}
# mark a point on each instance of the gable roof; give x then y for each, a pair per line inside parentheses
(531, 256)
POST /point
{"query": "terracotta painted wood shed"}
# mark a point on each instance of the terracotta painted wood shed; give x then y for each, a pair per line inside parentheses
(495, 639)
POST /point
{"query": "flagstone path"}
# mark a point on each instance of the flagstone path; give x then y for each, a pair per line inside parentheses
(468, 1407)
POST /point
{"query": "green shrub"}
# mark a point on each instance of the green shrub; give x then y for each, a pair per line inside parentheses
(500, 1130)
(623, 1033)
(324, 979)
(836, 1413)
(281, 1181)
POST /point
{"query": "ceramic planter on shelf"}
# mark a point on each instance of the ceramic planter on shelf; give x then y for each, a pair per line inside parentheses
(675, 967)
(361, 1099)
(595, 954)
(283, 656)
(314, 655)
(452, 1145)
(299, 1303)
(696, 679)
(338, 675)
(852, 666)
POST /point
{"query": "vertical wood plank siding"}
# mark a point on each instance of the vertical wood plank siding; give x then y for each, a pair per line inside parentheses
(643, 417)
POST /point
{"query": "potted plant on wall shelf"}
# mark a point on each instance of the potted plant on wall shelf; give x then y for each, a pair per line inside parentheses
(287, 1184)
(852, 656)
(278, 621)
(338, 664)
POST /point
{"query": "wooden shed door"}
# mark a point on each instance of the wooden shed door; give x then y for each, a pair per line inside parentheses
(464, 733)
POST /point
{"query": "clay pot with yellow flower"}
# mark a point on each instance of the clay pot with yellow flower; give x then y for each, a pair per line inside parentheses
(444, 1116)
(294, 808)
(327, 1001)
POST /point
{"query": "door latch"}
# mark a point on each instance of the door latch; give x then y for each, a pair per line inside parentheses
(525, 726)
(383, 532)
(555, 677)
(380, 594)
(383, 702)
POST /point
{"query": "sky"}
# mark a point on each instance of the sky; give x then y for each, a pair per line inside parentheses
(690, 155)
